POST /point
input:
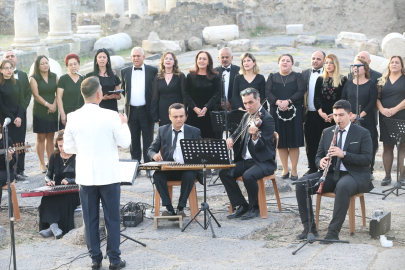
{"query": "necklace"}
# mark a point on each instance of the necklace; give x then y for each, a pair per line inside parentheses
(168, 72)
(284, 82)
(65, 161)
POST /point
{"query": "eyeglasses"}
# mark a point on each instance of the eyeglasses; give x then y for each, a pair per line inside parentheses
(331, 62)
(8, 68)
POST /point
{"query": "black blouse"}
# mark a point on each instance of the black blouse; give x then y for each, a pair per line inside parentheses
(72, 98)
(240, 84)
(202, 92)
(295, 95)
(57, 170)
(326, 94)
(107, 84)
(12, 100)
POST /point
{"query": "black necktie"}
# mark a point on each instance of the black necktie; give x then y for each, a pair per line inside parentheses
(174, 145)
(338, 159)
(314, 70)
(226, 69)
(135, 68)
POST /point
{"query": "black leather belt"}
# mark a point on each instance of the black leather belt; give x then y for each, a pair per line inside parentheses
(138, 107)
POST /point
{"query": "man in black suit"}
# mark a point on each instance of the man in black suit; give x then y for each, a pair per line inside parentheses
(254, 160)
(22, 77)
(168, 142)
(348, 174)
(137, 83)
(311, 118)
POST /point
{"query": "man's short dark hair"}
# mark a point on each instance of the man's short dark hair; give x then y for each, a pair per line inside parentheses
(249, 91)
(177, 106)
(343, 104)
(90, 86)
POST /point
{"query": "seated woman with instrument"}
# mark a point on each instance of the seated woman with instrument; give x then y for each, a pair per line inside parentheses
(3, 172)
(56, 212)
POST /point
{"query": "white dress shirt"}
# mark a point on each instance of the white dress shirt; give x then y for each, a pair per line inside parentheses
(226, 78)
(138, 87)
(178, 154)
(248, 155)
(342, 167)
(311, 89)
(16, 74)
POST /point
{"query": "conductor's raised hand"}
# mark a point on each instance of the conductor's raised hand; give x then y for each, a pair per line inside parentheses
(123, 117)
(158, 157)
(229, 143)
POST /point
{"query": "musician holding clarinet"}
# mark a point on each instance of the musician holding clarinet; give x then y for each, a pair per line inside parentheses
(348, 149)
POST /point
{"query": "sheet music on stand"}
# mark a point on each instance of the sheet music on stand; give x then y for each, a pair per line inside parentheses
(128, 170)
(204, 151)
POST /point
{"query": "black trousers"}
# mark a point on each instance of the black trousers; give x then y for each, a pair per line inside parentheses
(187, 182)
(344, 188)
(250, 173)
(90, 197)
(17, 135)
(138, 122)
(312, 137)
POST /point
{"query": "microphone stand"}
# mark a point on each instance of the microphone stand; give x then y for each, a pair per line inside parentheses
(10, 202)
(358, 107)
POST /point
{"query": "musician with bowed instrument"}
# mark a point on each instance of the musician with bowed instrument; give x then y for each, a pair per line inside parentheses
(255, 157)
(56, 212)
(344, 154)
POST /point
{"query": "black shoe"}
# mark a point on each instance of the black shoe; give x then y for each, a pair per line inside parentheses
(181, 213)
(372, 178)
(285, 176)
(116, 266)
(96, 265)
(304, 233)
(329, 237)
(252, 213)
(294, 178)
(386, 182)
(310, 171)
(22, 174)
(168, 213)
(239, 212)
(19, 178)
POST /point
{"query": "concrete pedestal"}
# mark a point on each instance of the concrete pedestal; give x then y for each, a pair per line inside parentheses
(138, 7)
(60, 22)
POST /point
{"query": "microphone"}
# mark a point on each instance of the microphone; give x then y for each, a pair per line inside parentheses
(322, 179)
(357, 65)
(6, 122)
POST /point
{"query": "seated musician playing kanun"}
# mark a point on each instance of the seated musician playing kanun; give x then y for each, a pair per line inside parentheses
(56, 213)
(254, 159)
(348, 174)
(168, 141)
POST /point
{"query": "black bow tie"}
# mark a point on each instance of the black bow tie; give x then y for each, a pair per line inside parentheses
(135, 68)
(227, 69)
(314, 70)
(15, 71)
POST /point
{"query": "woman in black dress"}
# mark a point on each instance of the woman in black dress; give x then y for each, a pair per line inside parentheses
(248, 77)
(108, 79)
(3, 168)
(169, 87)
(68, 94)
(202, 92)
(391, 104)
(328, 90)
(56, 212)
(285, 91)
(43, 85)
(367, 100)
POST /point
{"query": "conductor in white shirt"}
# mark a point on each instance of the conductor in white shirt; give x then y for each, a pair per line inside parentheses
(93, 133)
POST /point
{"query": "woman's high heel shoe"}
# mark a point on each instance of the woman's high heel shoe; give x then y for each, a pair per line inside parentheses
(285, 176)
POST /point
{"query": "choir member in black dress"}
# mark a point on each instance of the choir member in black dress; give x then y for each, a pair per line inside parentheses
(391, 104)
(45, 123)
(169, 87)
(3, 168)
(22, 77)
(285, 91)
(108, 79)
(328, 90)
(248, 77)
(367, 99)
(202, 92)
(56, 212)
(12, 102)
(68, 94)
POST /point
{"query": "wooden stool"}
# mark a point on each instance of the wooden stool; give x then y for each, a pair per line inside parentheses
(180, 218)
(352, 207)
(192, 198)
(16, 209)
(262, 195)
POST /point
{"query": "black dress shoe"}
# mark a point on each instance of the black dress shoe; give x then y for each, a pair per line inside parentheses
(310, 171)
(252, 213)
(285, 176)
(304, 233)
(294, 178)
(329, 237)
(181, 213)
(386, 181)
(96, 265)
(22, 174)
(116, 266)
(168, 213)
(239, 212)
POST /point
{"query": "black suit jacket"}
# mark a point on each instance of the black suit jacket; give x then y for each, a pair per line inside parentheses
(306, 74)
(358, 147)
(234, 71)
(25, 87)
(126, 75)
(164, 141)
(263, 152)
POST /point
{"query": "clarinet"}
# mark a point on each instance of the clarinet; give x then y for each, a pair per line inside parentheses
(325, 172)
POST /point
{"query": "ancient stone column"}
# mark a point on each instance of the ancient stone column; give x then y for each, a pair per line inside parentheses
(114, 6)
(156, 6)
(138, 7)
(170, 4)
(26, 25)
(60, 22)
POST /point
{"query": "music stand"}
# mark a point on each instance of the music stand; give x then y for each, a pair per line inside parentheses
(396, 130)
(203, 151)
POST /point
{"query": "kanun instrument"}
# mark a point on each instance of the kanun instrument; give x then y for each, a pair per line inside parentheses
(51, 191)
(172, 166)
